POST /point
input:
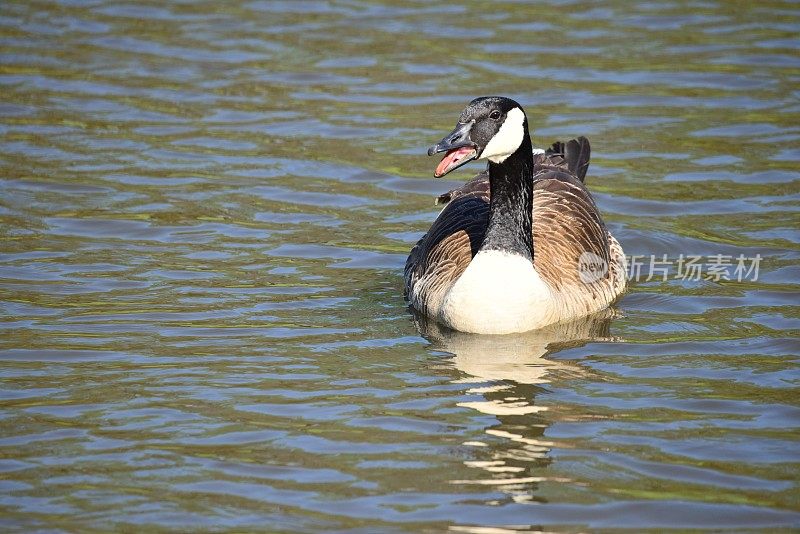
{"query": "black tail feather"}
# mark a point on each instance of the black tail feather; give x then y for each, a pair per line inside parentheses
(577, 155)
(556, 149)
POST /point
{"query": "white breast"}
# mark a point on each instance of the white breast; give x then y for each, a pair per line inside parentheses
(498, 293)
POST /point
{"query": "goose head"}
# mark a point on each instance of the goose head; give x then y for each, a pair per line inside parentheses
(490, 127)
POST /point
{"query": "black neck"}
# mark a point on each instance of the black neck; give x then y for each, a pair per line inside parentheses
(511, 203)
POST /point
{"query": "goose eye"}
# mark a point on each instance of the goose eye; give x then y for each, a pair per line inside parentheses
(494, 115)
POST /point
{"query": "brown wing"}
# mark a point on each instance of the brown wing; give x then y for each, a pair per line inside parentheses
(568, 229)
(566, 226)
(439, 258)
(566, 222)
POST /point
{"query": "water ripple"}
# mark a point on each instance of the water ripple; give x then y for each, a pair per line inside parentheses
(205, 214)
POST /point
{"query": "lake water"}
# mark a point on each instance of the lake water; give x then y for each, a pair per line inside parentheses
(205, 211)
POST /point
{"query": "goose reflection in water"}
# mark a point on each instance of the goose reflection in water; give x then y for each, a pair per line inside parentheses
(508, 371)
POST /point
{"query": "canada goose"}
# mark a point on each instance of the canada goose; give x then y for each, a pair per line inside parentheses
(522, 245)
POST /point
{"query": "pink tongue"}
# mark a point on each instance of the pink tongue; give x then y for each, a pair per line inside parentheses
(452, 158)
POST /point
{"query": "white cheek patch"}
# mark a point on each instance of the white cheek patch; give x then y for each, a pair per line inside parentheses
(507, 139)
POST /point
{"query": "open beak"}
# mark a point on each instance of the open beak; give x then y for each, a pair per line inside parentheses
(460, 149)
